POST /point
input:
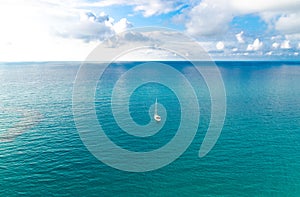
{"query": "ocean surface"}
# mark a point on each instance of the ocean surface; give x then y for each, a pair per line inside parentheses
(257, 153)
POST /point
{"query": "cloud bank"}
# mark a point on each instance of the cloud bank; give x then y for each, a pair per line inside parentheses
(53, 27)
(91, 27)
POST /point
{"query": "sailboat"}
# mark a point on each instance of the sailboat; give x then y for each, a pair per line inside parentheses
(156, 116)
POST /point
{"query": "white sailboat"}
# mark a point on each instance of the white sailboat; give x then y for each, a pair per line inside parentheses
(156, 116)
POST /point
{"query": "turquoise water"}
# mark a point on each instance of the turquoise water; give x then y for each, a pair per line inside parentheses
(257, 153)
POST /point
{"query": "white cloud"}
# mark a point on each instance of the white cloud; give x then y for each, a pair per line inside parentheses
(122, 25)
(212, 17)
(156, 7)
(252, 6)
(239, 37)
(220, 45)
(156, 45)
(269, 53)
(36, 23)
(293, 37)
(209, 17)
(275, 45)
(288, 24)
(285, 44)
(31, 32)
(91, 27)
(256, 45)
(277, 37)
(88, 27)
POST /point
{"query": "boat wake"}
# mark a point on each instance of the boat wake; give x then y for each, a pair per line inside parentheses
(29, 119)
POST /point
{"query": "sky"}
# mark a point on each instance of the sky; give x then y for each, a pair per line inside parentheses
(68, 30)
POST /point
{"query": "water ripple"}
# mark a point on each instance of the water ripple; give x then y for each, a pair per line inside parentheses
(29, 119)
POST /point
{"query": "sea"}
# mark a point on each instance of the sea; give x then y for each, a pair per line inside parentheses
(43, 151)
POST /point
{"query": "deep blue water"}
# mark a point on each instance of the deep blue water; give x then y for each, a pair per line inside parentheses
(257, 154)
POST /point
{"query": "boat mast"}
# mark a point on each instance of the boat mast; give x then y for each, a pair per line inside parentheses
(155, 110)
